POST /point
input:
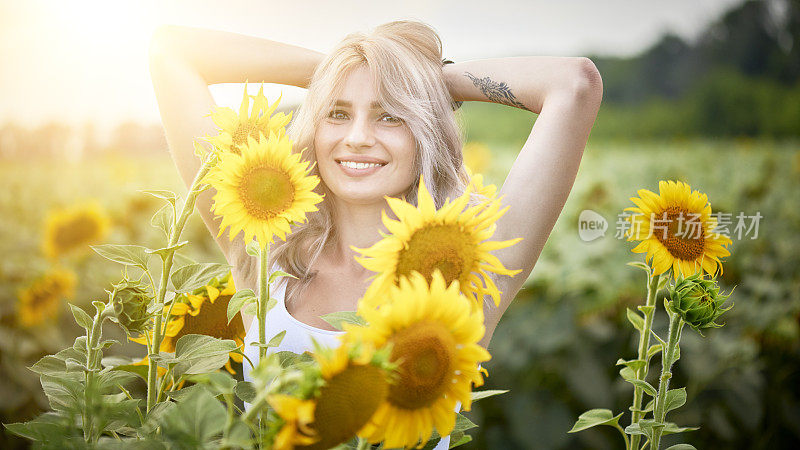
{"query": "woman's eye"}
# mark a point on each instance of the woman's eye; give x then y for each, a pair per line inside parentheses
(391, 118)
(337, 114)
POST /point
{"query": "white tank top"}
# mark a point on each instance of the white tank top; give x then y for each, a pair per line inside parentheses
(297, 339)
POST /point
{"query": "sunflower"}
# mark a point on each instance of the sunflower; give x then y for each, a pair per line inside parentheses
(453, 240)
(355, 383)
(236, 128)
(297, 414)
(41, 301)
(203, 312)
(70, 229)
(477, 157)
(486, 192)
(263, 190)
(433, 331)
(676, 230)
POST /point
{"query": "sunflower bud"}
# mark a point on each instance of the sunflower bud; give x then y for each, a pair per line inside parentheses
(698, 301)
(129, 301)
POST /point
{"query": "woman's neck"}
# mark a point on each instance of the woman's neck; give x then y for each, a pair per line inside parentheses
(357, 225)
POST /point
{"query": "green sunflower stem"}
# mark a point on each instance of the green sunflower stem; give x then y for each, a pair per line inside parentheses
(362, 444)
(153, 391)
(263, 299)
(644, 346)
(230, 417)
(252, 413)
(669, 358)
(92, 339)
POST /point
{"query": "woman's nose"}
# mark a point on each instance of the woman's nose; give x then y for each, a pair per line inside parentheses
(360, 134)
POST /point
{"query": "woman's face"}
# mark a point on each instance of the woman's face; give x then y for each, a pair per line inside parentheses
(363, 152)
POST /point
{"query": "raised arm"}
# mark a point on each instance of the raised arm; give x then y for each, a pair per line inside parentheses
(566, 93)
(184, 61)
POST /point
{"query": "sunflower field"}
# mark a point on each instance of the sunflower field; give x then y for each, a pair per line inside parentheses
(554, 350)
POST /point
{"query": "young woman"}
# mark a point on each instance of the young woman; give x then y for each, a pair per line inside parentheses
(378, 115)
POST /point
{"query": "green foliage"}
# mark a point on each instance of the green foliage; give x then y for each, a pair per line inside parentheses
(595, 417)
(192, 276)
(133, 255)
(195, 421)
(338, 319)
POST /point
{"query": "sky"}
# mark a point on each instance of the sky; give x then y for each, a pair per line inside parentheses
(86, 60)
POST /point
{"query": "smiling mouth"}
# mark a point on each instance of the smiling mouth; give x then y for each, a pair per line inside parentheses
(359, 165)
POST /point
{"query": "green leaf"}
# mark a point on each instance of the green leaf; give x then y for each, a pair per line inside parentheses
(63, 390)
(246, 391)
(653, 350)
(198, 353)
(462, 423)
(169, 196)
(634, 364)
(627, 373)
(217, 382)
(253, 249)
(99, 306)
(595, 417)
(279, 273)
(72, 353)
(675, 399)
(637, 428)
(49, 365)
(635, 319)
(164, 219)
(83, 319)
(106, 343)
(671, 428)
(109, 379)
(136, 369)
(288, 359)
(252, 309)
(464, 439)
(646, 387)
(478, 395)
(639, 265)
(49, 427)
(681, 447)
(646, 309)
(274, 342)
(338, 319)
(194, 422)
(193, 276)
(239, 300)
(277, 339)
(132, 255)
(164, 252)
(662, 283)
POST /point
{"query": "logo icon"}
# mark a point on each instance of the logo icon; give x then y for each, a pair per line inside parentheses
(591, 225)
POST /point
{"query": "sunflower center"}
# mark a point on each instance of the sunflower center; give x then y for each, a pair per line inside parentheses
(75, 232)
(266, 192)
(42, 298)
(242, 131)
(680, 239)
(426, 354)
(443, 247)
(212, 321)
(346, 402)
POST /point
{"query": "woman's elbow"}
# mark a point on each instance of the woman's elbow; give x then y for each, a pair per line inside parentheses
(587, 83)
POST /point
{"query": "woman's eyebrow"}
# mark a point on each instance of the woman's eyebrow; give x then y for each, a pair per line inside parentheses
(347, 104)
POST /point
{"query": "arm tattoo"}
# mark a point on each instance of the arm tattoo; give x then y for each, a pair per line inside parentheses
(496, 92)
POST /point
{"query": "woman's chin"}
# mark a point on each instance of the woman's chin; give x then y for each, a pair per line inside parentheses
(361, 194)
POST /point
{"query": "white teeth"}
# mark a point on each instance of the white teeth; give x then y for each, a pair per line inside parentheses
(359, 165)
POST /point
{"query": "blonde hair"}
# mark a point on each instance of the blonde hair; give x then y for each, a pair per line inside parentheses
(405, 59)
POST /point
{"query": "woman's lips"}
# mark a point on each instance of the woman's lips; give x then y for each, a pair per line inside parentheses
(358, 169)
